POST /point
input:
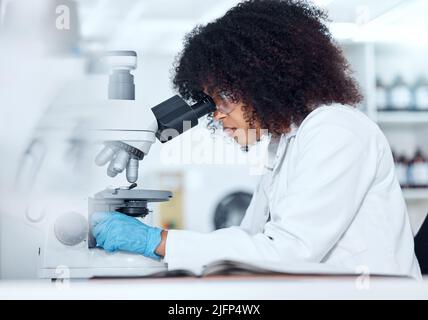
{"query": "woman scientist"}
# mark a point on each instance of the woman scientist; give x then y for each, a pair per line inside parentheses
(329, 194)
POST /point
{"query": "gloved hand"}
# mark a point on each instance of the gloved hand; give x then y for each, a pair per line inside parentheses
(116, 231)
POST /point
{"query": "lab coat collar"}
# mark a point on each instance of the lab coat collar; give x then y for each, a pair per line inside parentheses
(277, 146)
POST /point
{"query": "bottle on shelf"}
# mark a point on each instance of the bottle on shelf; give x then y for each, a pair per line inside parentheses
(421, 94)
(402, 170)
(401, 97)
(382, 95)
(418, 170)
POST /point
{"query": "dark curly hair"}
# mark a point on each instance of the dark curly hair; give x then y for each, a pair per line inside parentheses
(276, 56)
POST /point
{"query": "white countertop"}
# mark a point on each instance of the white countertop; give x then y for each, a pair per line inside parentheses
(225, 288)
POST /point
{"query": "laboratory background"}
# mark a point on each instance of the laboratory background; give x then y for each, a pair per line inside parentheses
(51, 71)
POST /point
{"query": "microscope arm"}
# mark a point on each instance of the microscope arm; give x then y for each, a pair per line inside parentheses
(124, 149)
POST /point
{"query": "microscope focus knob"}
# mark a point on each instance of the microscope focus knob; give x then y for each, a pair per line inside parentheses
(71, 228)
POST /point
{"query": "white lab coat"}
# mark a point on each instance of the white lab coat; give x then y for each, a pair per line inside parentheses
(330, 195)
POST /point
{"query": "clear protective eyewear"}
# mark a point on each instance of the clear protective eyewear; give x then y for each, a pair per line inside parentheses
(223, 108)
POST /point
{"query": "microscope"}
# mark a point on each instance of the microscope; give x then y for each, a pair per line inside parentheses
(127, 131)
(128, 134)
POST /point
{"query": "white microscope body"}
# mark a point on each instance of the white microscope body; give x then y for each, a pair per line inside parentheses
(127, 131)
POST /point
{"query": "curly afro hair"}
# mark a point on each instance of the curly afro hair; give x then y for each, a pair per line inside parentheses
(277, 57)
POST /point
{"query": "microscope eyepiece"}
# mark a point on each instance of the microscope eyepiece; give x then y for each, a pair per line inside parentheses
(204, 107)
(174, 116)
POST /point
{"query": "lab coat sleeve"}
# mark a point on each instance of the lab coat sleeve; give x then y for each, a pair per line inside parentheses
(326, 187)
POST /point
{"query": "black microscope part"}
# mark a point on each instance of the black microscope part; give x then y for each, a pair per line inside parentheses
(134, 209)
(132, 186)
(174, 113)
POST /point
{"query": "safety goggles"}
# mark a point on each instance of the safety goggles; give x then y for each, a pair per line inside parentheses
(224, 107)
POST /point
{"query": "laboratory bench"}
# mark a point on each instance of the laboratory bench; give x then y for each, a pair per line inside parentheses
(264, 287)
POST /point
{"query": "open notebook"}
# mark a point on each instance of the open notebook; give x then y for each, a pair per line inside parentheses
(237, 268)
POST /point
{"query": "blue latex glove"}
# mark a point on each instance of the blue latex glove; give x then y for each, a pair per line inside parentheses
(118, 232)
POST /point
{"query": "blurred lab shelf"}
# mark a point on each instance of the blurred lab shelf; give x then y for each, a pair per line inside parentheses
(402, 117)
(415, 193)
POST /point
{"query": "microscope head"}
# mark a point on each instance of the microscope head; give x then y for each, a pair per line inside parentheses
(128, 130)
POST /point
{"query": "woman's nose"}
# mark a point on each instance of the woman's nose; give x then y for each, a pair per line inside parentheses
(218, 115)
